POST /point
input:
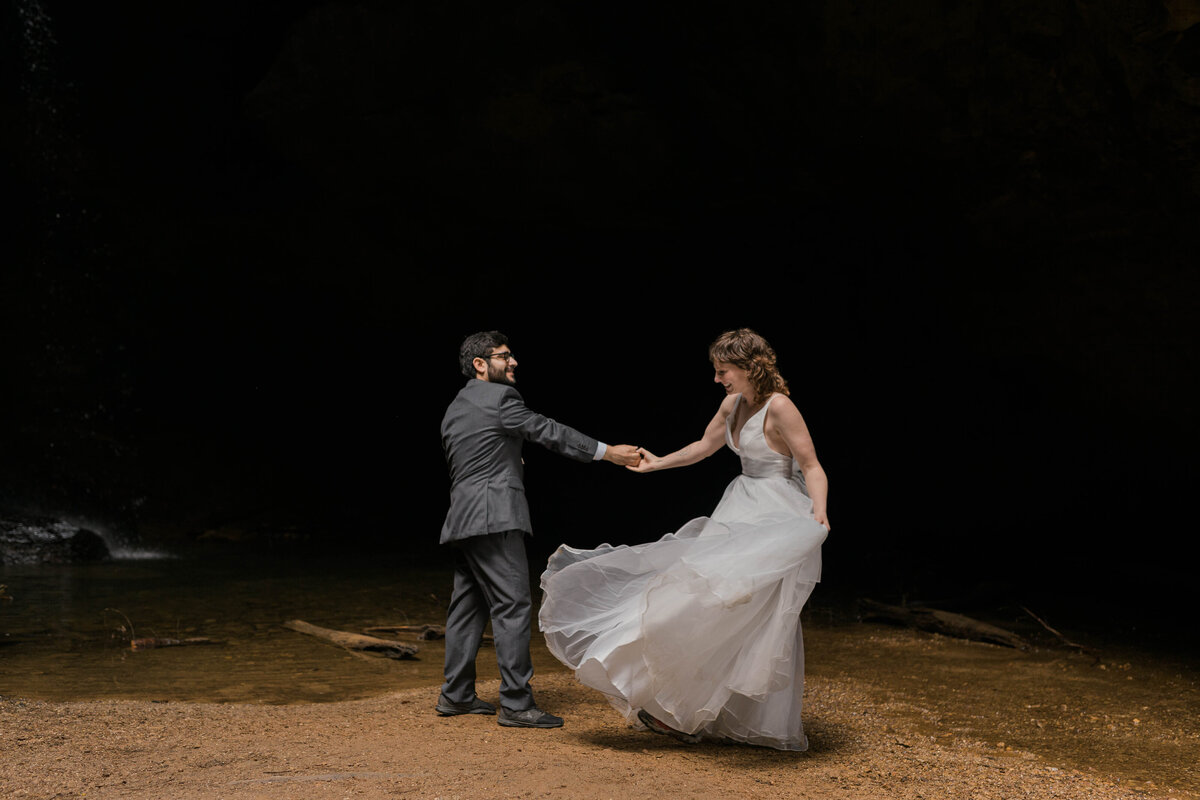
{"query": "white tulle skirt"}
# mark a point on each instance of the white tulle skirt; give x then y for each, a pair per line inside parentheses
(702, 627)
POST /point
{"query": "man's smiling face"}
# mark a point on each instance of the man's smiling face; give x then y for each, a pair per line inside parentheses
(501, 366)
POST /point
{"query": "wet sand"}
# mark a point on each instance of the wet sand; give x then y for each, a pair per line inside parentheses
(890, 713)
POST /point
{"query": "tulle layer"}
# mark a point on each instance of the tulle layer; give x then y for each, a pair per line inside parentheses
(702, 627)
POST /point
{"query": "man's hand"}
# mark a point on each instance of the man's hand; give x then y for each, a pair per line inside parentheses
(648, 463)
(625, 455)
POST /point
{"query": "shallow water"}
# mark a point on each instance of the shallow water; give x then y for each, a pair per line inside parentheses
(66, 633)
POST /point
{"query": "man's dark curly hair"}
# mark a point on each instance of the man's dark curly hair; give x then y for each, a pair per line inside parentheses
(478, 345)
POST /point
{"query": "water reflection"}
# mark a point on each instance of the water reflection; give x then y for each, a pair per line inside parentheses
(65, 635)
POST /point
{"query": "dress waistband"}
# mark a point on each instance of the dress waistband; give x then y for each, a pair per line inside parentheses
(774, 469)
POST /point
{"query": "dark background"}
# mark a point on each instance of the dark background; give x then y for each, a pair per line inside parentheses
(243, 241)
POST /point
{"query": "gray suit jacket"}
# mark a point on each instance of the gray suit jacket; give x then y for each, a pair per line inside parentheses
(482, 434)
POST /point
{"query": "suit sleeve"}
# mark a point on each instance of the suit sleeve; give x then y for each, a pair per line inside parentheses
(515, 416)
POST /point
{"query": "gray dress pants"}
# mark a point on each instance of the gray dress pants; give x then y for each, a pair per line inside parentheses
(491, 579)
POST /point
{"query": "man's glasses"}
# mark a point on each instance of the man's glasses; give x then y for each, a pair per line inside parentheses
(506, 356)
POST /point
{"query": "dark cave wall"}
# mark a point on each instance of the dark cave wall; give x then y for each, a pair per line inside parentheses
(246, 238)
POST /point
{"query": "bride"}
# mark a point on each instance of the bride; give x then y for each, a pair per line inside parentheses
(697, 635)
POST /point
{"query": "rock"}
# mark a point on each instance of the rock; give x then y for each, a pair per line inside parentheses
(28, 539)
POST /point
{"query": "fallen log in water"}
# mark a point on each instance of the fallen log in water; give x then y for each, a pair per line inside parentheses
(944, 622)
(355, 641)
(152, 642)
(423, 632)
(1080, 647)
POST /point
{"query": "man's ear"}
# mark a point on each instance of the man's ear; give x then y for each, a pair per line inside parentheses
(480, 367)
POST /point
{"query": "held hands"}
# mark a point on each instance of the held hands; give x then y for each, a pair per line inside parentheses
(648, 462)
(625, 455)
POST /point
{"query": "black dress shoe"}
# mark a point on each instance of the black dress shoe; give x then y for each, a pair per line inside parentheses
(446, 708)
(529, 718)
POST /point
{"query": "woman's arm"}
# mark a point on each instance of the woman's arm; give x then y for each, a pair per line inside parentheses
(784, 423)
(712, 441)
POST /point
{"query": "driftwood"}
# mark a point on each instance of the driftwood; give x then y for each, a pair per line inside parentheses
(944, 622)
(152, 642)
(424, 633)
(355, 641)
(1080, 647)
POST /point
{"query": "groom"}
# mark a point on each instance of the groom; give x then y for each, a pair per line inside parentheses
(482, 433)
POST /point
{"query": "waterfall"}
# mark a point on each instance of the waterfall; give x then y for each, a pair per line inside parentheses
(34, 539)
(46, 108)
(38, 78)
(119, 547)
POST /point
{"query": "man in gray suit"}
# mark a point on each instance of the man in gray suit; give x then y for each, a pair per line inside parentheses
(482, 434)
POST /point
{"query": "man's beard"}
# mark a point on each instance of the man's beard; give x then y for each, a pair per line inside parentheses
(499, 375)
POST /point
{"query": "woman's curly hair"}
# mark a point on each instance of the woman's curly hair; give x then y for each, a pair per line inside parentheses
(748, 350)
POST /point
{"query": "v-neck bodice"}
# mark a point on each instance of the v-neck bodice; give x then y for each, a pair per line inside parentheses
(758, 459)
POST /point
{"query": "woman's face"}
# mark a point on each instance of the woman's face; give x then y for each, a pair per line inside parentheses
(733, 378)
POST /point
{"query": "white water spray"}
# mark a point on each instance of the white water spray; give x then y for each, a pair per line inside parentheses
(119, 547)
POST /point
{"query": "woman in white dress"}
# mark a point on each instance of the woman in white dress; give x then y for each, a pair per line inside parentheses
(698, 634)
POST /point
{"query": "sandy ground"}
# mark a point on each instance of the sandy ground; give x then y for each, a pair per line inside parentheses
(1099, 731)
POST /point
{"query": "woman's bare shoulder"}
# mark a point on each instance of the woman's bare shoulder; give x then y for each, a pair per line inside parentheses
(784, 409)
(780, 401)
